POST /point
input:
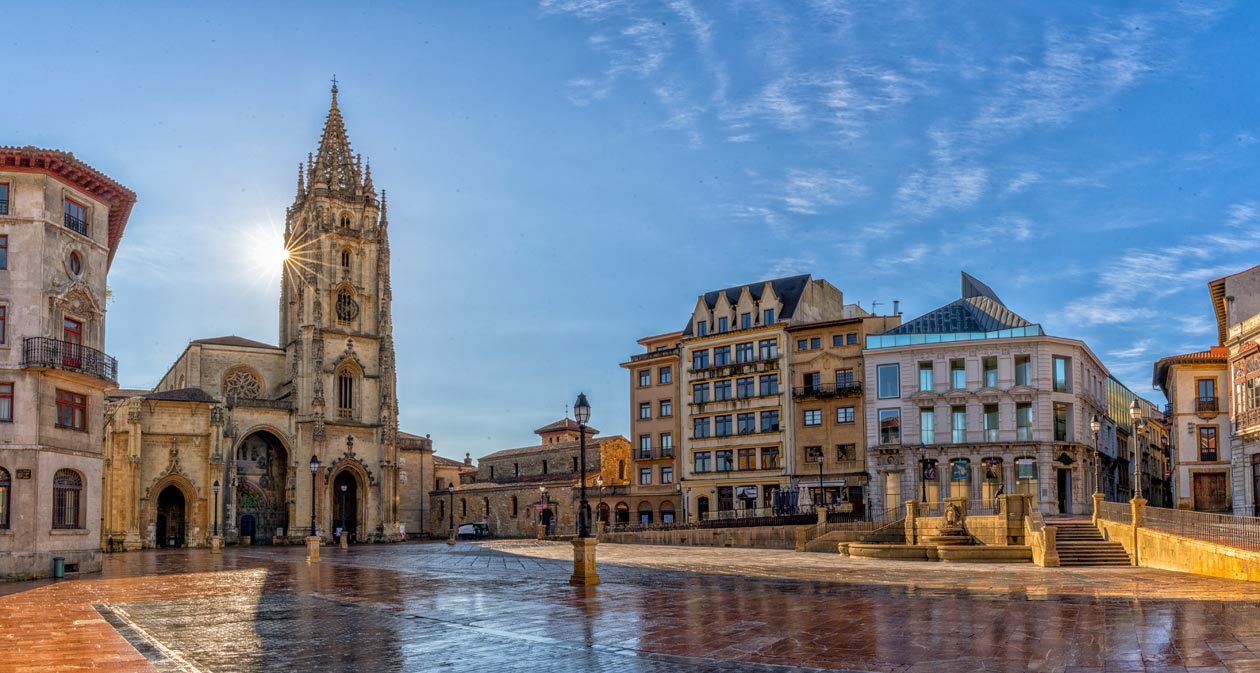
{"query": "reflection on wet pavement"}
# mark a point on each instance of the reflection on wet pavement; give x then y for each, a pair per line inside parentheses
(506, 606)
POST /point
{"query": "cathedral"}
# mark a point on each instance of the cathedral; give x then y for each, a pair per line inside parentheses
(262, 443)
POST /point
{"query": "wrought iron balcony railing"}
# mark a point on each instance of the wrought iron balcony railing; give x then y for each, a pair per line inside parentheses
(827, 390)
(75, 224)
(1205, 404)
(58, 354)
(4, 206)
(655, 452)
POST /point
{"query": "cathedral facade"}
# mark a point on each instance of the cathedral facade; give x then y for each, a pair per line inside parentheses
(261, 443)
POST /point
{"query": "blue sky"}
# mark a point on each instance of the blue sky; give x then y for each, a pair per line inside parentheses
(566, 177)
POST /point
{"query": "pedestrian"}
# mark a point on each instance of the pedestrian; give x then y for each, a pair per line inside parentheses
(402, 531)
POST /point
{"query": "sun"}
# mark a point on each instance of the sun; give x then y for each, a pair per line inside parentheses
(264, 253)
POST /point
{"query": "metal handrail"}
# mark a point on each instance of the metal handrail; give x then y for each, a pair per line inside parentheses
(1205, 404)
(639, 357)
(1240, 532)
(75, 224)
(827, 390)
(1120, 512)
(58, 354)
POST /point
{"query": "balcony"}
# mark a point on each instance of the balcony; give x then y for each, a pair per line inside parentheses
(653, 453)
(57, 354)
(4, 206)
(757, 366)
(75, 224)
(823, 391)
(654, 354)
(1206, 405)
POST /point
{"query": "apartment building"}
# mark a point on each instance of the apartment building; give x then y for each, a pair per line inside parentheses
(828, 414)
(654, 429)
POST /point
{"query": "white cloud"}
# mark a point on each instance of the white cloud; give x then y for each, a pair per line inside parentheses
(791, 266)
(807, 192)
(948, 188)
(1134, 350)
(1021, 181)
(1241, 214)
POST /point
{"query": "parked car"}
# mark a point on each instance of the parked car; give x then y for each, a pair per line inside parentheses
(470, 531)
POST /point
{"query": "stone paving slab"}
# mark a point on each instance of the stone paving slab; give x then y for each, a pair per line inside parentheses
(506, 606)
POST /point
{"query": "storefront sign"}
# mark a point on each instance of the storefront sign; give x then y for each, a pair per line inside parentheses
(746, 492)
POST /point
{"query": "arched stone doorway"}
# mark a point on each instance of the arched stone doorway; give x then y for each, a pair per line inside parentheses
(346, 503)
(623, 513)
(171, 529)
(262, 487)
(548, 520)
(604, 511)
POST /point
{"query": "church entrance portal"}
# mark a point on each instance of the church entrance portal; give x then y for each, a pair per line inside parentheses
(261, 488)
(170, 517)
(346, 503)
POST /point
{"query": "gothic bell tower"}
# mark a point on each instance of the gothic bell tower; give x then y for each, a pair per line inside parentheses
(336, 329)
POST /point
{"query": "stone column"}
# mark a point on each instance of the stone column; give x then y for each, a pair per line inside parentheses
(1098, 501)
(1138, 506)
(912, 513)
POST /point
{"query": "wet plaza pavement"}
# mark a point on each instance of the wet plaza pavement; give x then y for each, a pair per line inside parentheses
(507, 606)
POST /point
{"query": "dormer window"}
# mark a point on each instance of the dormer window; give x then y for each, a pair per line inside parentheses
(723, 325)
(702, 328)
(75, 216)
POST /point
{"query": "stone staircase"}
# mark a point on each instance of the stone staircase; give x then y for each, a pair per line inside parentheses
(1080, 544)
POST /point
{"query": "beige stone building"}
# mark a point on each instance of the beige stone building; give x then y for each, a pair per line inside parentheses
(60, 224)
(736, 435)
(1236, 304)
(255, 418)
(1198, 407)
(828, 416)
(655, 430)
(516, 490)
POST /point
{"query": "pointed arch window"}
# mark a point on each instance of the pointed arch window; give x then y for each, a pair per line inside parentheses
(345, 259)
(347, 307)
(345, 393)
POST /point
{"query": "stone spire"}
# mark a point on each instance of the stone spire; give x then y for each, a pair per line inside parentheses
(368, 189)
(301, 181)
(334, 161)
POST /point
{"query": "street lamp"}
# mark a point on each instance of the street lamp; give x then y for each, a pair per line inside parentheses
(450, 490)
(682, 500)
(344, 486)
(314, 469)
(1135, 413)
(599, 483)
(582, 412)
(1096, 425)
(215, 488)
(821, 494)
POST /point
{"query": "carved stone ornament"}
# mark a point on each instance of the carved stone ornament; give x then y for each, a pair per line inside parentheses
(241, 384)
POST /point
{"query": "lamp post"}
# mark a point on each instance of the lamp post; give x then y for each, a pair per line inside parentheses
(215, 488)
(1096, 425)
(599, 509)
(450, 491)
(584, 545)
(1135, 414)
(344, 487)
(821, 493)
(312, 542)
(682, 500)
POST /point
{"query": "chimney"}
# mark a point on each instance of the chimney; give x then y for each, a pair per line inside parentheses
(896, 307)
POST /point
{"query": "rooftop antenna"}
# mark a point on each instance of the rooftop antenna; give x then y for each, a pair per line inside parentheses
(874, 304)
(566, 411)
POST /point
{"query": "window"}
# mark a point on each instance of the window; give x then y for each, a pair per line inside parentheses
(515, 507)
(645, 476)
(837, 340)
(770, 421)
(812, 381)
(722, 426)
(1062, 375)
(700, 428)
(345, 259)
(721, 356)
(667, 475)
(813, 454)
(702, 328)
(463, 507)
(4, 250)
(700, 393)
(747, 459)
(813, 417)
(846, 452)
(746, 423)
(645, 410)
(889, 426)
(767, 316)
(6, 402)
(700, 359)
(889, 381)
(1207, 443)
(925, 376)
(4, 198)
(770, 384)
(990, 422)
(958, 423)
(768, 349)
(4, 324)
(802, 344)
(544, 466)
(516, 469)
(345, 393)
(701, 462)
(770, 459)
(723, 325)
(485, 504)
(724, 461)
(990, 371)
(347, 308)
(957, 374)
(667, 444)
(744, 352)
(645, 446)
(815, 343)
(645, 378)
(667, 408)
(666, 374)
(844, 378)
(845, 415)
(852, 338)
(5, 485)
(1023, 422)
(67, 500)
(75, 216)
(1023, 370)
(722, 390)
(1206, 395)
(76, 264)
(71, 410)
(745, 320)
(1061, 418)
(491, 473)
(927, 425)
(746, 387)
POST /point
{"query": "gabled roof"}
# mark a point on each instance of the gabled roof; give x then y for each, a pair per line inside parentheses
(124, 393)
(182, 395)
(591, 443)
(65, 166)
(233, 340)
(1216, 290)
(788, 290)
(564, 424)
(1213, 355)
(447, 462)
(979, 310)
